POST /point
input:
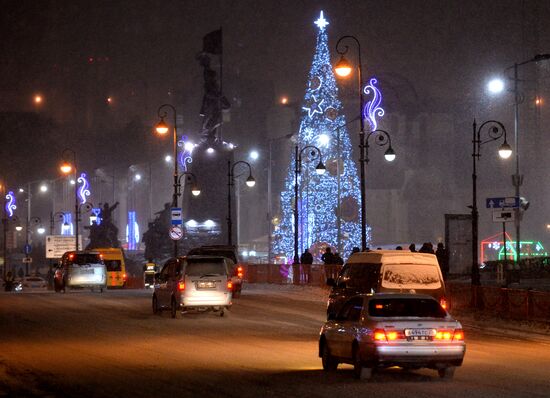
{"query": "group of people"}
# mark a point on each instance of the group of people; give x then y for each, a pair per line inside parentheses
(427, 247)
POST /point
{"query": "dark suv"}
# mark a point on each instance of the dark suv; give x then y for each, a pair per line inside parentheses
(229, 252)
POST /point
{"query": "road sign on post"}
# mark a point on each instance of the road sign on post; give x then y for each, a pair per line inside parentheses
(176, 233)
(57, 245)
(27, 249)
(176, 216)
(511, 202)
(503, 215)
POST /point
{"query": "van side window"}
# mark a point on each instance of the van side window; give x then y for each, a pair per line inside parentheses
(364, 276)
(351, 311)
(344, 275)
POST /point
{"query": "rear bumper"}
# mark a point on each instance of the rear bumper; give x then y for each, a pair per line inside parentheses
(206, 299)
(420, 355)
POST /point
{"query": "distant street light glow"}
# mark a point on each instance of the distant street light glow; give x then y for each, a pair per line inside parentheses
(210, 150)
(38, 99)
(137, 177)
(41, 230)
(168, 158)
(254, 155)
(43, 188)
(495, 86)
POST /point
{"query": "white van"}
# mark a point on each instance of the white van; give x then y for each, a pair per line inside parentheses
(399, 271)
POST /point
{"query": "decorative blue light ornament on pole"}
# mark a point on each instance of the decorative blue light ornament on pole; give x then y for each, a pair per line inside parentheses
(10, 204)
(185, 152)
(67, 226)
(372, 108)
(83, 191)
(328, 204)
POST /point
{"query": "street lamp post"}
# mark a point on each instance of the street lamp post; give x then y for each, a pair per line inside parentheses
(230, 182)
(517, 179)
(30, 221)
(162, 128)
(495, 130)
(313, 154)
(66, 168)
(343, 69)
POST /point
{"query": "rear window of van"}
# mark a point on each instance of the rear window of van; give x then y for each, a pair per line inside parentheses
(411, 276)
(201, 267)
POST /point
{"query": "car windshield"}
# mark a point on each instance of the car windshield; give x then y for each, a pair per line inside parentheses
(406, 307)
(113, 265)
(411, 276)
(202, 267)
(85, 258)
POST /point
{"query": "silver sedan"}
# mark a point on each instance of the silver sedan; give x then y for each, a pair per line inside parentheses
(384, 329)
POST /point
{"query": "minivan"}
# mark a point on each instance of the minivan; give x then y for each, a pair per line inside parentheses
(377, 271)
(81, 269)
(194, 283)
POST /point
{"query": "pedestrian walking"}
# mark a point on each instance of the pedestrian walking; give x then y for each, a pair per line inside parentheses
(427, 247)
(328, 257)
(306, 259)
(338, 259)
(412, 247)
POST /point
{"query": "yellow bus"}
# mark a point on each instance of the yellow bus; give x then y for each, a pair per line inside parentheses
(116, 267)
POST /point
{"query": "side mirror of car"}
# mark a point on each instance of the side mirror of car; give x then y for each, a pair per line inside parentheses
(331, 282)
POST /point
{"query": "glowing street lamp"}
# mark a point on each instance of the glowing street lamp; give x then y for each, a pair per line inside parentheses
(313, 154)
(162, 128)
(250, 182)
(495, 130)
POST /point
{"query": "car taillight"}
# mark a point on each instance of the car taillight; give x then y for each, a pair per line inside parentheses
(389, 335)
(445, 335)
(443, 302)
(458, 335)
(181, 286)
(124, 276)
(229, 285)
(240, 271)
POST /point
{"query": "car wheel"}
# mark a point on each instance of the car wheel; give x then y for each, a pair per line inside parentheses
(359, 371)
(329, 362)
(173, 308)
(156, 309)
(446, 373)
(222, 313)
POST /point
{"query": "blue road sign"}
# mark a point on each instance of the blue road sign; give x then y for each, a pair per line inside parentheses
(511, 202)
(27, 249)
(176, 216)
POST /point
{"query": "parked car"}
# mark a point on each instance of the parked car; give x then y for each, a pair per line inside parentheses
(237, 269)
(194, 283)
(391, 329)
(33, 283)
(82, 269)
(376, 271)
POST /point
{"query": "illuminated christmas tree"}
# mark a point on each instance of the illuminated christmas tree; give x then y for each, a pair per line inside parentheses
(323, 124)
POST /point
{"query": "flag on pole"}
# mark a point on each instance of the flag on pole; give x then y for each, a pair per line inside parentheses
(212, 42)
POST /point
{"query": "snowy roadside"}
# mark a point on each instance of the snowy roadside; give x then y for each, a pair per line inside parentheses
(539, 331)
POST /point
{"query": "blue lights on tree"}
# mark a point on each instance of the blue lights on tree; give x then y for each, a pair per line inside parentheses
(323, 125)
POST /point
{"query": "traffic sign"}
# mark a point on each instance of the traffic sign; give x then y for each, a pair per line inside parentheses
(27, 260)
(176, 216)
(176, 233)
(27, 249)
(57, 245)
(511, 202)
(503, 215)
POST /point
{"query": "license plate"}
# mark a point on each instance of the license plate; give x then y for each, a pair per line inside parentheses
(206, 285)
(419, 333)
(87, 271)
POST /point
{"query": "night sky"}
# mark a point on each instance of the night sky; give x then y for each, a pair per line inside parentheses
(432, 58)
